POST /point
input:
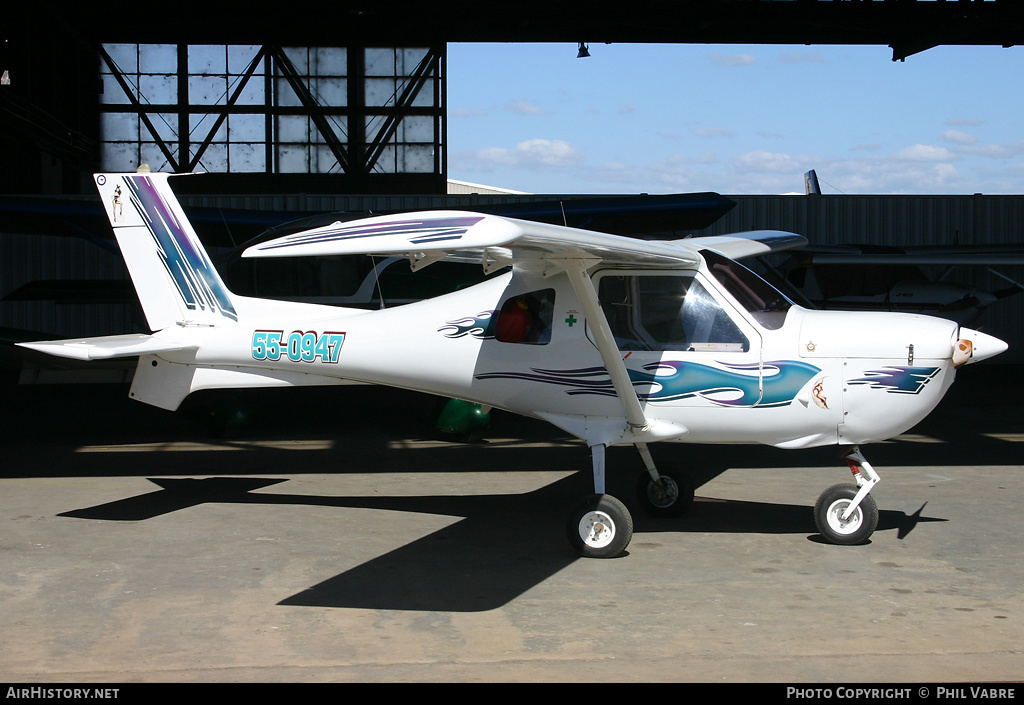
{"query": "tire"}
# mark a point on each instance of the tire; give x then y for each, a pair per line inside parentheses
(830, 506)
(600, 527)
(676, 498)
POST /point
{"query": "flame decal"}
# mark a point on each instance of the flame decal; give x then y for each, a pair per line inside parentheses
(481, 326)
(898, 379)
(735, 385)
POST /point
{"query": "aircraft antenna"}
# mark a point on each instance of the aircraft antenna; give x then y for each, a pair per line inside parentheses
(227, 226)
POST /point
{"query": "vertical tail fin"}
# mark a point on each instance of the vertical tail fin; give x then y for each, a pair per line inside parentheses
(173, 276)
(811, 186)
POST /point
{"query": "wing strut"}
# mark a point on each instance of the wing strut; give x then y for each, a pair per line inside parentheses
(583, 285)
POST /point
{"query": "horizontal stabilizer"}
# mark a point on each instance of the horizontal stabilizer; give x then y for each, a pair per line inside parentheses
(106, 347)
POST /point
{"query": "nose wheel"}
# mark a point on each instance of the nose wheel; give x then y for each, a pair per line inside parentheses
(846, 514)
(837, 524)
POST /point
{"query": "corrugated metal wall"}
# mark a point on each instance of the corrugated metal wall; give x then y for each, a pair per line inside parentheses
(881, 220)
(26, 258)
(903, 221)
(29, 258)
(332, 203)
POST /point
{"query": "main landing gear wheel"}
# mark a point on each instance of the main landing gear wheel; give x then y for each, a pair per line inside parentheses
(829, 511)
(671, 498)
(600, 527)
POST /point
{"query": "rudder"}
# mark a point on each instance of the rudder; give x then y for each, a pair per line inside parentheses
(175, 280)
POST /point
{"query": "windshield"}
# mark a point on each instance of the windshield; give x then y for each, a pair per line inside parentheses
(666, 311)
(763, 301)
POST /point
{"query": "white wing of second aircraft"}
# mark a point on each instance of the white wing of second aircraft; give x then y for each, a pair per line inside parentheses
(463, 236)
(981, 256)
(754, 243)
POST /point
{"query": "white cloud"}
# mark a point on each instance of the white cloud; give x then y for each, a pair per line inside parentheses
(675, 173)
(913, 170)
(760, 160)
(524, 108)
(530, 154)
(960, 122)
(711, 132)
(916, 169)
(730, 60)
(925, 153)
(894, 176)
(994, 151)
(958, 137)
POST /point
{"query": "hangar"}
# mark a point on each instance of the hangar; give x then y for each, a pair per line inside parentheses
(106, 583)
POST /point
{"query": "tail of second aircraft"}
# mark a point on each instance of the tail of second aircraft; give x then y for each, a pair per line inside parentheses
(172, 273)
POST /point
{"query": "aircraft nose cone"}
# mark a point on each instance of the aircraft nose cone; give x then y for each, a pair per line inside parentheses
(979, 346)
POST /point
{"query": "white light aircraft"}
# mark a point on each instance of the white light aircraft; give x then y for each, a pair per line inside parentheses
(614, 340)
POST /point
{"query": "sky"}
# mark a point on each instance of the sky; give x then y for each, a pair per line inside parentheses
(736, 119)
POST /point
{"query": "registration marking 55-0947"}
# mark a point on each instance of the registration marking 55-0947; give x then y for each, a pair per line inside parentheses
(298, 346)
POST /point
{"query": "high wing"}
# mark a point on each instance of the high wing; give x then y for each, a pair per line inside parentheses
(494, 241)
(497, 241)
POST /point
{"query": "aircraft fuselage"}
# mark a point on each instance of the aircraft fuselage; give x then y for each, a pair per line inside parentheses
(810, 378)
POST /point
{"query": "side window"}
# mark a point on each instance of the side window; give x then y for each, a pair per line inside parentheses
(526, 318)
(667, 312)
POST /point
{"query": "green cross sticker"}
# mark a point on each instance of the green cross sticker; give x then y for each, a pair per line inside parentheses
(570, 320)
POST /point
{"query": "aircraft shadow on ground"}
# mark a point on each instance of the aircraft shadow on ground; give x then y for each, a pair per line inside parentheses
(978, 423)
(503, 546)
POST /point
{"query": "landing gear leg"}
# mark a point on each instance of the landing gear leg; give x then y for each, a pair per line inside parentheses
(847, 514)
(600, 526)
(662, 494)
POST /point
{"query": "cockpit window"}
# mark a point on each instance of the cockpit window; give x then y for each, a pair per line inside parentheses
(763, 301)
(666, 312)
